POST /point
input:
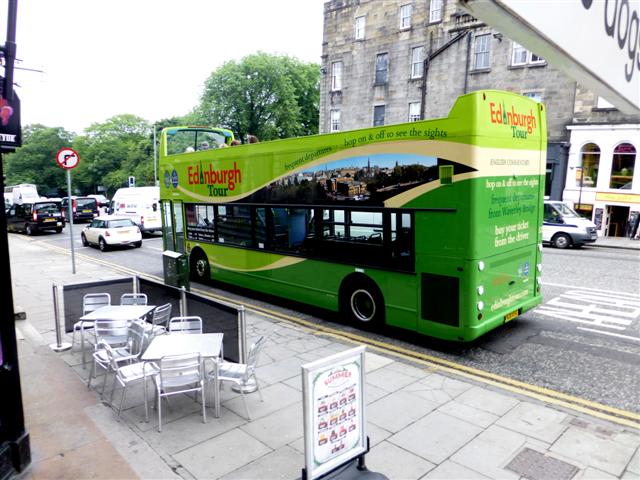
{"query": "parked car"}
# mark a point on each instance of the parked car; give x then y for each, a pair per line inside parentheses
(110, 231)
(84, 208)
(563, 227)
(34, 217)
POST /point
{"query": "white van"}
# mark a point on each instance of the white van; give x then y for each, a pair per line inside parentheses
(23, 193)
(140, 204)
(562, 227)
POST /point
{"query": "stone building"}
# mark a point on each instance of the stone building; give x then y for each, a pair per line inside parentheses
(394, 61)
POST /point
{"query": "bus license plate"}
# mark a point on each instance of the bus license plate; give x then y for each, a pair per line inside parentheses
(510, 316)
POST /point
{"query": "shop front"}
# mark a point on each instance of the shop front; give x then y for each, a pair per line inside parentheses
(602, 181)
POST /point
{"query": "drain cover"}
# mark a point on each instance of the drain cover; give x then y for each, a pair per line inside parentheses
(536, 466)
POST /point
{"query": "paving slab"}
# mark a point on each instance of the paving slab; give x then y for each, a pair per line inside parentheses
(487, 400)
(435, 437)
(275, 397)
(384, 412)
(475, 416)
(285, 463)
(221, 455)
(278, 429)
(609, 453)
(438, 388)
(449, 470)
(535, 421)
(396, 463)
(389, 379)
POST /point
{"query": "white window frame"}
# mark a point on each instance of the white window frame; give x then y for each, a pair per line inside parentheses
(602, 103)
(435, 11)
(360, 25)
(405, 16)
(334, 124)
(533, 95)
(483, 40)
(414, 111)
(520, 56)
(336, 76)
(384, 81)
(417, 62)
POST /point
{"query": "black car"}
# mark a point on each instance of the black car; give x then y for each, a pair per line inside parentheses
(34, 217)
(84, 209)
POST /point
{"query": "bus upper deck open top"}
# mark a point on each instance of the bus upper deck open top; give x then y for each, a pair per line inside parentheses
(432, 226)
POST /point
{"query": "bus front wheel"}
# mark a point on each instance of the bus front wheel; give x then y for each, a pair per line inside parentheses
(361, 304)
(200, 267)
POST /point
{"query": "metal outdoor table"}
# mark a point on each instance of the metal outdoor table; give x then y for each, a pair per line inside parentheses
(116, 313)
(208, 345)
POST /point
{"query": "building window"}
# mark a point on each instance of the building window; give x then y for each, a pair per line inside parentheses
(360, 24)
(405, 16)
(435, 11)
(417, 59)
(336, 76)
(520, 56)
(537, 96)
(414, 111)
(378, 115)
(382, 68)
(602, 103)
(335, 120)
(622, 166)
(587, 171)
(482, 49)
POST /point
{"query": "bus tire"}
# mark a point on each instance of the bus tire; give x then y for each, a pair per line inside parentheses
(361, 303)
(199, 270)
(561, 240)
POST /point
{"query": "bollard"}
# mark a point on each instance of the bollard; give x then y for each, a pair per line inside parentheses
(136, 284)
(59, 346)
(251, 385)
(183, 302)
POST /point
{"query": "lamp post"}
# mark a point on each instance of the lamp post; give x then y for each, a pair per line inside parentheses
(155, 168)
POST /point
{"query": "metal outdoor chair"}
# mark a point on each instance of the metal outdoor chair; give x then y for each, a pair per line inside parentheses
(242, 374)
(90, 302)
(161, 316)
(138, 339)
(191, 324)
(133, 299)
(179, 374)
(125, 374)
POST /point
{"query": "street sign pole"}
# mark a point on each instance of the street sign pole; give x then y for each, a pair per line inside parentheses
(67, 159)
(70, 217)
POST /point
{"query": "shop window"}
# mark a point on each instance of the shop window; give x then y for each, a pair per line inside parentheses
(587, 171)
(624, 159)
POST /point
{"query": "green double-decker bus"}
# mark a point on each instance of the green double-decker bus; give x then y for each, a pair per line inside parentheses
(431, 226)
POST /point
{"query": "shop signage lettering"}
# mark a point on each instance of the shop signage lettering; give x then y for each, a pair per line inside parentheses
(219, 182)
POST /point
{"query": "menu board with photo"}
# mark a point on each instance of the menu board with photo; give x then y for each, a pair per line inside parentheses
(333, 411)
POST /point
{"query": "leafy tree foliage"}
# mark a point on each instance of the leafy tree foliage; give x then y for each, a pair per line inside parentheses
(265, 95)
(35, 161)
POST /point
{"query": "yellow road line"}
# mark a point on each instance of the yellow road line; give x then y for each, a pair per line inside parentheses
(616, 415)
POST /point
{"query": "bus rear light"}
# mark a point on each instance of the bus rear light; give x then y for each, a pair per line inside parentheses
(481, 265)
(480, 305)
(480, 290)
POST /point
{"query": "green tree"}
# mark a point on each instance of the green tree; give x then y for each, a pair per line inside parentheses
(265, 95)
(35, 161)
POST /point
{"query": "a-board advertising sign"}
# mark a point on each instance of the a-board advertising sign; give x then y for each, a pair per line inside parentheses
(595, 42)
(334, 411)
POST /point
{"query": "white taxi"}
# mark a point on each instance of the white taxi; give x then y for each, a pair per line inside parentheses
(110, 231)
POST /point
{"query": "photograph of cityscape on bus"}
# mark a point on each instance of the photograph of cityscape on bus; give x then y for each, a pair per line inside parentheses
(430, 226)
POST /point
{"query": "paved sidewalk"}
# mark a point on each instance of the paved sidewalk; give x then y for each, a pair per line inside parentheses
(423, 423)
(617, 242)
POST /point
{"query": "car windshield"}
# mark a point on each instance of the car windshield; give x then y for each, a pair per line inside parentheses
(125, 222)
(566, 210)
(43, 208)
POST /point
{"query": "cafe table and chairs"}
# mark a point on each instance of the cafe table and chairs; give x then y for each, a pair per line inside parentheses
(115, 313)
(207, 345)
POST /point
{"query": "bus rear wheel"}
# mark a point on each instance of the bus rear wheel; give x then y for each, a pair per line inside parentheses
(200, 266)
(361, 304)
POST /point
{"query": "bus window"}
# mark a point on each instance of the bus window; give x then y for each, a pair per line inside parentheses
(233, 225)
(181, 141)
(333, 225)
(200, 222)
(366, 227)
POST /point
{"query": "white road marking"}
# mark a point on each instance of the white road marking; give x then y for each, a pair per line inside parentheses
(605, 310)
(599, 290)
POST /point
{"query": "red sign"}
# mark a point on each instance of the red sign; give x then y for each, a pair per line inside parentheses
(67, 158)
